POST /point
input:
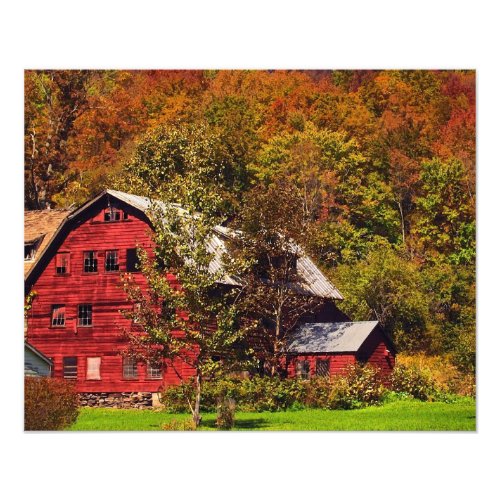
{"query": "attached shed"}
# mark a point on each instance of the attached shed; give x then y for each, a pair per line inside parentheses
(35, 363)
(322, 349)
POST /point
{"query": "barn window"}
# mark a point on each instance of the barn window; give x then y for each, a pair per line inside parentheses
(111, 263)
(85, 315)
(62, 263)
(302, 369)
(93, 368)
(154, 370)
(90, 261)
(129, 368)
(112, 215)
(30, 248)
(132, 260)
(322, 367)
(70, 368)
(58, 315)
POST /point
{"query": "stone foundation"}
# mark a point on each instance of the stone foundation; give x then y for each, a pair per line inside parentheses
(139, 400)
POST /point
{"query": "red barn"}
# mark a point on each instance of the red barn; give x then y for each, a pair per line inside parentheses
(323, 349)
(76, 320)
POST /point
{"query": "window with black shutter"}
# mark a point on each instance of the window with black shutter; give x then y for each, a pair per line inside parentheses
(322, 368)
(70, 368)
(132, 260)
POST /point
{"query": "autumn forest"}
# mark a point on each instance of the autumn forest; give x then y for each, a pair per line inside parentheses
(384, 162)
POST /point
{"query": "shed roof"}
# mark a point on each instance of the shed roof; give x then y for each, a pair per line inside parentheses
(330, 337)
(41, 225)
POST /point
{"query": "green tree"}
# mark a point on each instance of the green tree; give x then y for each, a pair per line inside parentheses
(265, 248)
(388, 287)
(186, 316)
(53, 101)
(451, 289)
(445, 224)
(337, 181)
(172, 160)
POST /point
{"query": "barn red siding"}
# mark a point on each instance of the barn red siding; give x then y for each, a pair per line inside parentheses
(377, 351)
(338, 362)
(104, 291)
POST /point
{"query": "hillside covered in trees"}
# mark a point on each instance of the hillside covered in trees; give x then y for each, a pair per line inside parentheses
(384, 162)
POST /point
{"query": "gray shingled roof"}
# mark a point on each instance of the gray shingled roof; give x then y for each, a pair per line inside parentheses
(330, 337)
(314, 282)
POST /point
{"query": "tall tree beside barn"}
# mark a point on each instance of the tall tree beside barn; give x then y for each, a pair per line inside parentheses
(195, 305)
(270, 225)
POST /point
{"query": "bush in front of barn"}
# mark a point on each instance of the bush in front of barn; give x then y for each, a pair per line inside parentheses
(251, 394)
(357, 387)
(414, 381)
(49, 404)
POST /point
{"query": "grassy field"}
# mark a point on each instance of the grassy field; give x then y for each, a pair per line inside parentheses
(395, 416)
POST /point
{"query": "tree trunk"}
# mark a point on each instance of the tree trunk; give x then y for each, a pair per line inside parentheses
(196, 410)
(276, 342)
(400, 206)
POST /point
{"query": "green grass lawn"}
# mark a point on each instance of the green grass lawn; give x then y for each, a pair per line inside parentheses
(396, 416)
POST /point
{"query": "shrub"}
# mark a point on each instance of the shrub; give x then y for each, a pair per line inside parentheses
(225, 413)
(175, 398)
(256, 394)
(49, 404)
(357, 387)
(416, 382)
(179, 425)
(446, 374)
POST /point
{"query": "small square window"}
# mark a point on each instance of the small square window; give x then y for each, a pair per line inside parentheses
(90, 261)
(85, 315)
(129, 368)
(154, 370)
(302, 369)
(112, 214)
(93, 368)
(62, 263)
(70, 367)
(111, 263)
(322, 368)
(58, 317)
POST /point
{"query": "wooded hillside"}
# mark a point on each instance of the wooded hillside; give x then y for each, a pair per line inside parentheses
(384, 160)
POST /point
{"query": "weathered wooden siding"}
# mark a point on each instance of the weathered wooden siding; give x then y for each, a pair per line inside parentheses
(338, 362)
(105, 292)
(377, 351)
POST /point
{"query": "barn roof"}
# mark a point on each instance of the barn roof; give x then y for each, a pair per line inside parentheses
(330, 337)
(314, 282)
(40, 226)
(37, 353)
